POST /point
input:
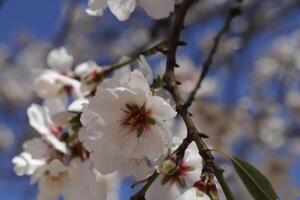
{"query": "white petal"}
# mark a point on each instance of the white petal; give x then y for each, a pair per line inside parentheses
(151, 144)
(96, 7)
(121, 8)
(165, 192)
(193, 194)
(77, 105)
(56, 104)
(160, 109)
(145, 68)
(56, 144)
(39, 118)
(127, 144)
(47, 85)
(37, 148)
(86, 67)
(135, 81)
(157, 8)
(55, 167)
(62, 118)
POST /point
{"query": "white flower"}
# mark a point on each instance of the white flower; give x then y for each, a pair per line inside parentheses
(24, 164)
(90, 74)
(129, 118)
(85, 182)
(169, 187)
(50, 84)
(76, 181)
(52, 178)
(193, 194)
(122, 9)
(39, 119)
(60, 60)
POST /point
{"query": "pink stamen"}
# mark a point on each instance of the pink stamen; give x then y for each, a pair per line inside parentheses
(136, 118)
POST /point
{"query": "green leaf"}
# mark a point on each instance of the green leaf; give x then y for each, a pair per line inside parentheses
(256, 183)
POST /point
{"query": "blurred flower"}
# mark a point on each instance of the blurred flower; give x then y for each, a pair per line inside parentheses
(24, 164)
(60, 60)
(123, 9)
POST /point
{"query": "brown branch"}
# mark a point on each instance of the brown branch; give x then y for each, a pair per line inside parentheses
(234, 11)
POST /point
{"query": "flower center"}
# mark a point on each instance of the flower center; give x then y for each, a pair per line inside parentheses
(136, 118)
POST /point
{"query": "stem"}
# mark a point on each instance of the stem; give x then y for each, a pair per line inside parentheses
(141, 194)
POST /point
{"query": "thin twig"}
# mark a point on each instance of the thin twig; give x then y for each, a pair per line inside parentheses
(234, 11)
(141, 194)
(160, 47)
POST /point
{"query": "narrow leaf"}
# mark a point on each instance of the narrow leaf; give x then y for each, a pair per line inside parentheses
(256, 183)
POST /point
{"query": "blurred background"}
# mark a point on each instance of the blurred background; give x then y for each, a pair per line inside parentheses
(249, 105)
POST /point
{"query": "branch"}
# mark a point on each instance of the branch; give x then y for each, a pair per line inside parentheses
(170, 80)
(234, 11)
(160, 47)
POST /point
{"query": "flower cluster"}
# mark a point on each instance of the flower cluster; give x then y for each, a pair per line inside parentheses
(93, 129)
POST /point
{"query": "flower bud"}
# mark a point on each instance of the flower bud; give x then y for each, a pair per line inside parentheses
(169, 166)
(212, 190)
(200, 185)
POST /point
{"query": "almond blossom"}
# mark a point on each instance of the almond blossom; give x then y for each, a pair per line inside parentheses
(171, 184)
(126, 116)
(122, 9)
(58, 79)
(75, 181)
